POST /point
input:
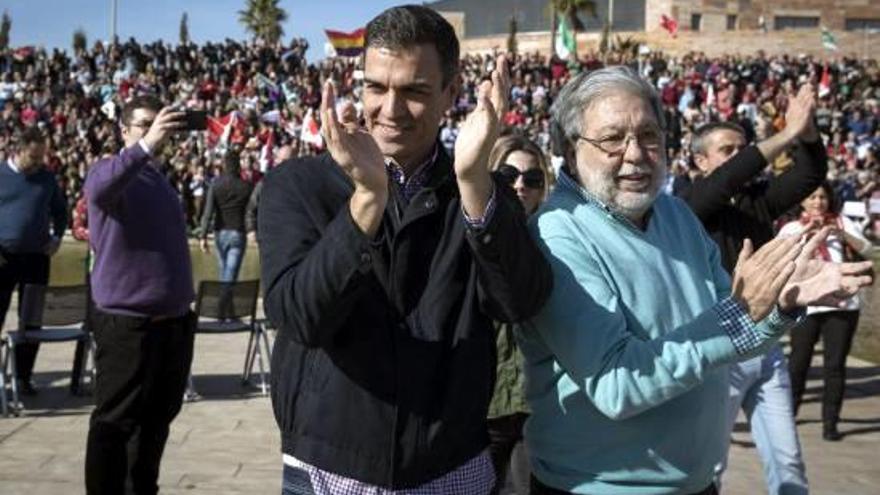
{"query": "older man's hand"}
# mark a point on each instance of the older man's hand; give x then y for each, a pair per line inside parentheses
(817, 282)
(759, 277)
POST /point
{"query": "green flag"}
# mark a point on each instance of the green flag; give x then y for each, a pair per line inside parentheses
(828, 40)
(565, 42)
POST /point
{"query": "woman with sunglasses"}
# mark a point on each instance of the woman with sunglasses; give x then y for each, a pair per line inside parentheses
(520, 163)
(836, 325)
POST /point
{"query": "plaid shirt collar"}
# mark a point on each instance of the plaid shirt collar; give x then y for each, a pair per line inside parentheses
(409, 186)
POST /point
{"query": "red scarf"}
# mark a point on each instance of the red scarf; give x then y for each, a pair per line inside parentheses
(827, 219)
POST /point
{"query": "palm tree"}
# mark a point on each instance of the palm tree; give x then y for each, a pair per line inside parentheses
(569, 10)
(183, 32)
(5, 27)
(511, 36)
(79, 41)
(263, 18)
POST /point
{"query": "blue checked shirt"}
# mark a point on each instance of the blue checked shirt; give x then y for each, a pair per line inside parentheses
(735, 320)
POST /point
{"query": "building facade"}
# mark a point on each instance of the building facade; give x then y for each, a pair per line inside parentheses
(712, 26)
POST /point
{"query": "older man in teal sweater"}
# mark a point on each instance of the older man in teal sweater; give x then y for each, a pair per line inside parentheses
(627, 363)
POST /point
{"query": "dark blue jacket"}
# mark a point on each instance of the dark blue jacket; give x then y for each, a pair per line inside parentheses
(384, 363)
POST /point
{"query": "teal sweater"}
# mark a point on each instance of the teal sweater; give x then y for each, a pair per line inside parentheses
(626, 364)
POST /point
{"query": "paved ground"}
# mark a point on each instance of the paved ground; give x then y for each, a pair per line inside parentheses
(227, 443)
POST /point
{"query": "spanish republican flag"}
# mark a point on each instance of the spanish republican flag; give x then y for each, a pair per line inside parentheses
(347, 44)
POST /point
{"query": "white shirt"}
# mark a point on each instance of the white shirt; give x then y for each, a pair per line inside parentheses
(835, 245)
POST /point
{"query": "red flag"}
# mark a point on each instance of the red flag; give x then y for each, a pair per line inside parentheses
(226, 129)
(669, 24)
(825, 82)
(267, 156)
(22, 53)
(311, 131)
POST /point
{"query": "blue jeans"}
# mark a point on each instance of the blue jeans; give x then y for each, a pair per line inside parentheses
(762, 388)
(231, 245)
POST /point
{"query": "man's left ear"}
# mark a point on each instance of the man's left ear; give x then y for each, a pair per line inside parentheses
(453, 89)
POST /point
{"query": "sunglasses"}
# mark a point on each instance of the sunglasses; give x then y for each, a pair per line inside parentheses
(533, 178)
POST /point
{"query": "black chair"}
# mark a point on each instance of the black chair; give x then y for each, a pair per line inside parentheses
(60, 314)
(230, 307)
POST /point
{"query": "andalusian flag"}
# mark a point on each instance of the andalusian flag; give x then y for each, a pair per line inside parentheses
(347, 44)
(565, 42)
(828, 40)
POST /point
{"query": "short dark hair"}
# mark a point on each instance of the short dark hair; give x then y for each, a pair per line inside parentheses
(148, 102)
(31, 135)
(409, 25)
(698, 142)
(232, 163)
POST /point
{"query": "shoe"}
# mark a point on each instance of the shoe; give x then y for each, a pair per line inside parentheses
(830, 433)
(26, 388)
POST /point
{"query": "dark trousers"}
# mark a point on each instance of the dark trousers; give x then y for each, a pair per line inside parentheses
(539, 488)
(508, 452)
(837, 329)
(17, 270)
(142, 371)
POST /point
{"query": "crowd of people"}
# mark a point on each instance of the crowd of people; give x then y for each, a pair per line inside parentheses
(434, 257)
(273, 92)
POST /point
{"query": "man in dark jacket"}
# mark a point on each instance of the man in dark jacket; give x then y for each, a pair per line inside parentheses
(734, 204)
(227, 201)
(384, 263)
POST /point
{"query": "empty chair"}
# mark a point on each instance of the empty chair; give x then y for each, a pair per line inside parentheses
(229, 307)
(60, 313)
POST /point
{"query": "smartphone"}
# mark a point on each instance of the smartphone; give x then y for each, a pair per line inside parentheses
(196, 120)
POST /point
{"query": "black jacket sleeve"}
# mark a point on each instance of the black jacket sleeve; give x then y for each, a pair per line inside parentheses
(708, 195)
(513, 278)
(787, 190)
(208, 215)
(58, 211)
(312, 271)
(250, 213)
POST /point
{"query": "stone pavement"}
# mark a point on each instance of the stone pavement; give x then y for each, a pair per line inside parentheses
(227, 443)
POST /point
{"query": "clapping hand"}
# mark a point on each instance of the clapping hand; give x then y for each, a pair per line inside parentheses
(480, 129)
(351, 146)
(816, 282)
(355, 150)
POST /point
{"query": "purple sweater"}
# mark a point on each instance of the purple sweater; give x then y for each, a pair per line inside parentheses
(136, 229)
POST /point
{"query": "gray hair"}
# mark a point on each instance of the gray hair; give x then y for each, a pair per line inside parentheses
(567, 112)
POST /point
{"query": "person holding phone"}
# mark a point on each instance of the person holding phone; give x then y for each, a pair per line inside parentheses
(142, 290)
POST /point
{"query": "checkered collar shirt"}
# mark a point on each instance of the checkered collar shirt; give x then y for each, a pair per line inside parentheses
(474, 477)
(409, 186)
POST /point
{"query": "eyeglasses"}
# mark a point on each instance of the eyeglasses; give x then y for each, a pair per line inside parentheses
(143, 125)
(532, 178)
(650, 139)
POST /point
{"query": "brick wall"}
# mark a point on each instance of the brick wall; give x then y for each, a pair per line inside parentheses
(792, 42)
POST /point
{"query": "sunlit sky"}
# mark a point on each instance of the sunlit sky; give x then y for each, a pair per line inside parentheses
(51, 23)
